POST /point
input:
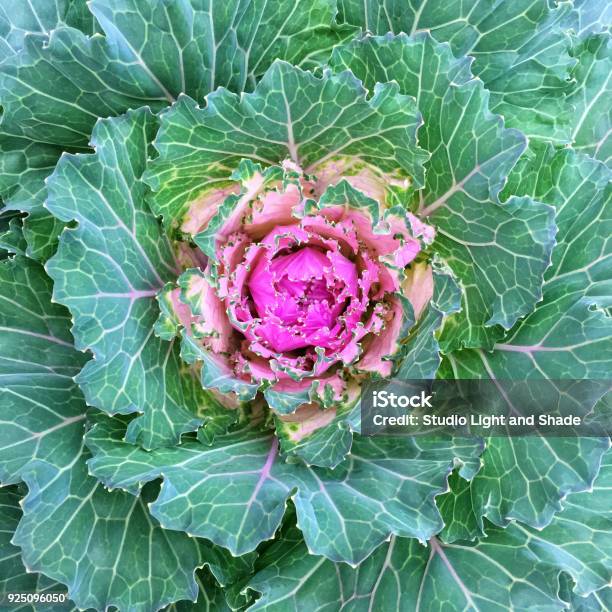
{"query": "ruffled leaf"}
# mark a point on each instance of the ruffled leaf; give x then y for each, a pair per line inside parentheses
(316, 439)
(61, 81)
(253, 180)
(41, 408)
(25, 163)
(577, 540)
(290, 114)
(520, 51)
(56, 80)
(344, 194)
(580, 189)
(569, 336)
(41, 443)
(392, 482)
(406, 575)
(24, 167)
(461, 521)
(168, 323)
(42, 86)
(108, 270)
(598, 601)
(14, 577)
(545, 345)
(211, 598)
(510, 568)
(420, 352)
(196, 46)
(66, 501)
(40, 17)
(283, 402)
(215, 373)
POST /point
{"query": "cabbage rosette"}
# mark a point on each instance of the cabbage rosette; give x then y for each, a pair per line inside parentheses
(303, 290)
(268, 254)
(245, 240)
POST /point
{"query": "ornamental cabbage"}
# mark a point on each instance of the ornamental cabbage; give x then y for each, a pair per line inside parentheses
(221, 222)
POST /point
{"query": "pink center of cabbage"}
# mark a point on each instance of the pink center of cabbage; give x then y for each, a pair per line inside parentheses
(300, 296)
(305, 293)
(309, 295)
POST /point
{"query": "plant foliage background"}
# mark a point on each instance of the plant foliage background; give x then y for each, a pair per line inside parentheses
(124, 480)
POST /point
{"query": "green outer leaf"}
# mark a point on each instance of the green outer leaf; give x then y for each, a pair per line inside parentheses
(592, 121)
(41, 408)
(107, 271)
(14, 578)
(567, 336)
(520, 50)
(579, 539)
(24, 163)
(517, 568)
(46, 78)
(73, 530)
(40, 16)
(563, 337)
(214, 373)
(41, 413)
(168, 324)
(496, 573)
(79, 16)
(77, 532)
(55, 89)
(24, 167)
(530, 491)
(498, 251)
(581, 191)
(523, 58)
(41, 231)
(500, 257)
(385, 486)
(422, 357)
(217, 419)
(62, 80)
(195, 46)
(291, 114)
